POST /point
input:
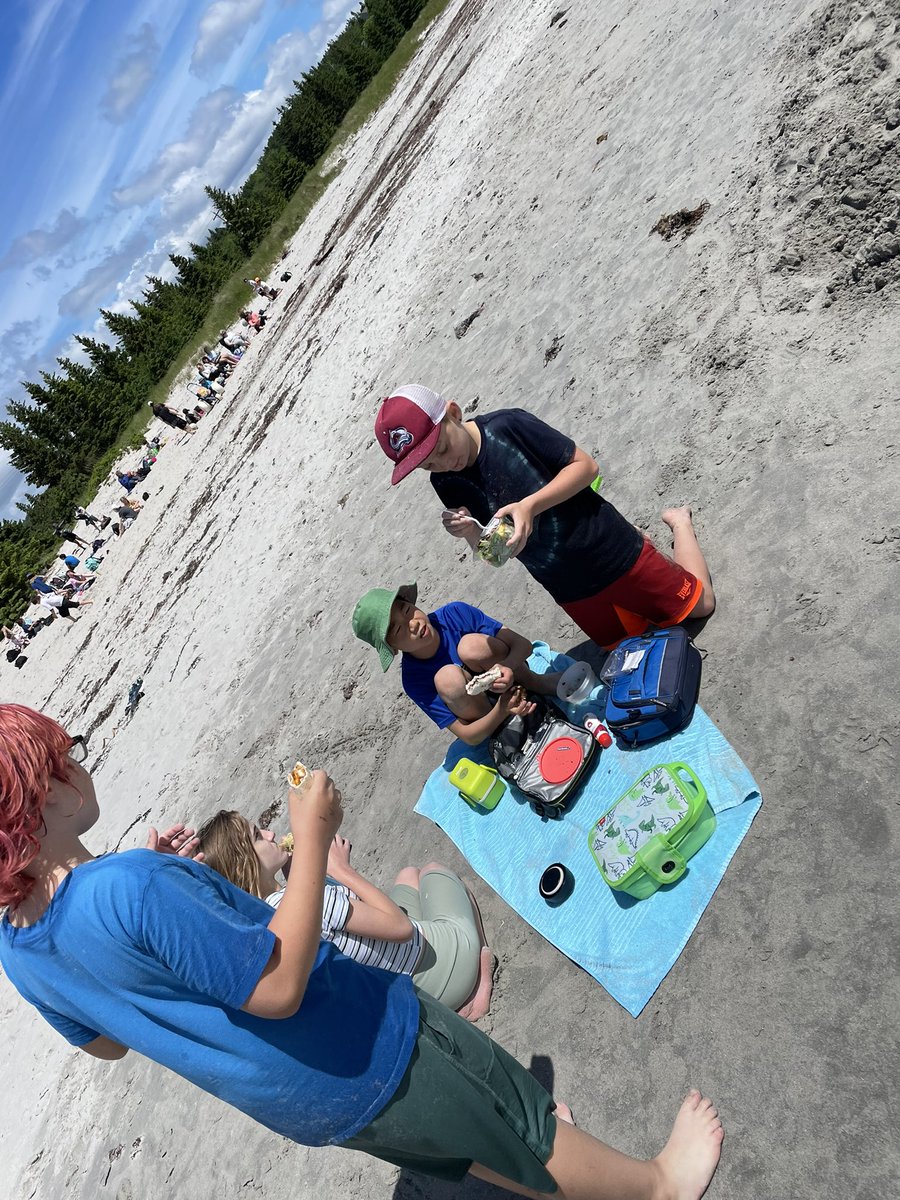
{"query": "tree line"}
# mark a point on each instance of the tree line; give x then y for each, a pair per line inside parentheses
(63, 435)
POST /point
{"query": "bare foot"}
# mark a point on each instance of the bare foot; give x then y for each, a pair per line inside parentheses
(564, 1113)
(479, 1003)
(677, 516)
(690, 1156)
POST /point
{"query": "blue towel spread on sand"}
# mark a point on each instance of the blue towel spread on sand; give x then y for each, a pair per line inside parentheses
(628, 946)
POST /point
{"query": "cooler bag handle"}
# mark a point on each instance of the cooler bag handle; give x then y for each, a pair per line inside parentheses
(662, 862)
(692, 783)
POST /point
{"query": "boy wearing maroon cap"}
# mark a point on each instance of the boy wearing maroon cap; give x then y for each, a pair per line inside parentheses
(608, 577)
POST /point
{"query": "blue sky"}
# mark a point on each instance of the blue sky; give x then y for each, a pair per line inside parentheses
(113, 117)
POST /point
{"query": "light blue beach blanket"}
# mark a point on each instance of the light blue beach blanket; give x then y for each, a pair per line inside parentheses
(628, 946)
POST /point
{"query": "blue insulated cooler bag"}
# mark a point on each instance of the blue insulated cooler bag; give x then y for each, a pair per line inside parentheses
(653, 682)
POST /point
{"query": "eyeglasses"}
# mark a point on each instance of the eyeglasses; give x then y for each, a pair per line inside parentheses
(78, 751)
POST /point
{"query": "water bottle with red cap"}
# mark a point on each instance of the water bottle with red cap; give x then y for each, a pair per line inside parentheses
(598, 730)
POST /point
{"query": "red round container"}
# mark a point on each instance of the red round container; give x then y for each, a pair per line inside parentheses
(560, 760)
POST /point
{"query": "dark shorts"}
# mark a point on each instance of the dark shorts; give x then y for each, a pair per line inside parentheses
(655, 591)
(463, 1099)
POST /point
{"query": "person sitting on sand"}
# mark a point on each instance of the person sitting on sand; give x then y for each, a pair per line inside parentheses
(219, 357)
(76, 581)
(155, 951)
(16, 638)
(256, 320)
(128, 480)
(170, 417)
(39, 584)
(234, 340)
(426, 926)
(443, 651)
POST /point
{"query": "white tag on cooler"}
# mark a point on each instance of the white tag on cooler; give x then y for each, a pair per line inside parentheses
(633, 659)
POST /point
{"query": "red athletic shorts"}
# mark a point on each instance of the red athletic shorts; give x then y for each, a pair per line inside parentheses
(656, 591)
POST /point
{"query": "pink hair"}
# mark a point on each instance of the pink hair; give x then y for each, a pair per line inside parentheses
(33, 750)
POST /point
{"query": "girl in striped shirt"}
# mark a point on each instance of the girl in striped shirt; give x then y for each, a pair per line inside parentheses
(426, 926)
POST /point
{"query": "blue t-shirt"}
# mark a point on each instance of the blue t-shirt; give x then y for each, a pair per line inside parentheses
(159, 953)
(451, 622)
(71, 561)
(576, 548)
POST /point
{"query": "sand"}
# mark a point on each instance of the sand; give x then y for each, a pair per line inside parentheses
(490, 236)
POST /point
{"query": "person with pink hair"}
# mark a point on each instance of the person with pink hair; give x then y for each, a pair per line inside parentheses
(159, 953)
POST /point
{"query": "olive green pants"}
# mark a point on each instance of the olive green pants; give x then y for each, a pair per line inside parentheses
(463, 1099)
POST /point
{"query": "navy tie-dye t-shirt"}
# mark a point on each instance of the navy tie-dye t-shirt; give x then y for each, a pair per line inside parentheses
(576, 548)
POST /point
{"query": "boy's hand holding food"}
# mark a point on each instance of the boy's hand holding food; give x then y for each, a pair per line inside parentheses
(505, 680)
(522, 517)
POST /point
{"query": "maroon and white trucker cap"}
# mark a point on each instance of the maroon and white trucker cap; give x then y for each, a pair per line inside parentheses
(408, 426)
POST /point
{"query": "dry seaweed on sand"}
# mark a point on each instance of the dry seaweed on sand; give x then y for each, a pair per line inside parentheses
(685, 220)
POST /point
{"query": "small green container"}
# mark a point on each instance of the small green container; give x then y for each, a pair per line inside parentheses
(645, 839)
(480, 786)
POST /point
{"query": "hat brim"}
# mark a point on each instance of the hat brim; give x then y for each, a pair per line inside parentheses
(416, 456)
(408, 592)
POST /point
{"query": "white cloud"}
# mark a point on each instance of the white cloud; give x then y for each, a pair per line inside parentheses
(18, 339)
(25, 353)
(41, 243)
(134, 74)
(337, 8)
(96, 284)
(12, 489)
(220, 29)
(209, 120)
(225, 135)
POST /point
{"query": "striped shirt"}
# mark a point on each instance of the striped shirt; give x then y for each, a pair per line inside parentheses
(399, 957)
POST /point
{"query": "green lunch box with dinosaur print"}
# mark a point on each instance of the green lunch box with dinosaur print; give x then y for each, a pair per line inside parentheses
(645, 839)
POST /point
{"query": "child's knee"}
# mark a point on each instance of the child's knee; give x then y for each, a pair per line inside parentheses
(706, 605)
(480, 652)
(450, 683)
(408, 876)
(433, 866)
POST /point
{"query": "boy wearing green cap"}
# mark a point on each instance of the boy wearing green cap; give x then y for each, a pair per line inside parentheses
(443, 651)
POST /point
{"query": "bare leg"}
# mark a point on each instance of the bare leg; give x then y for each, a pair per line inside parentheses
(586, 1169)
(480, 652)
(408, 876)
(687, 554)
(478, 1004)
(450, 683)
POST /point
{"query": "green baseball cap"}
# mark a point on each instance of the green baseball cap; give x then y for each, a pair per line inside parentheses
(372, 616)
